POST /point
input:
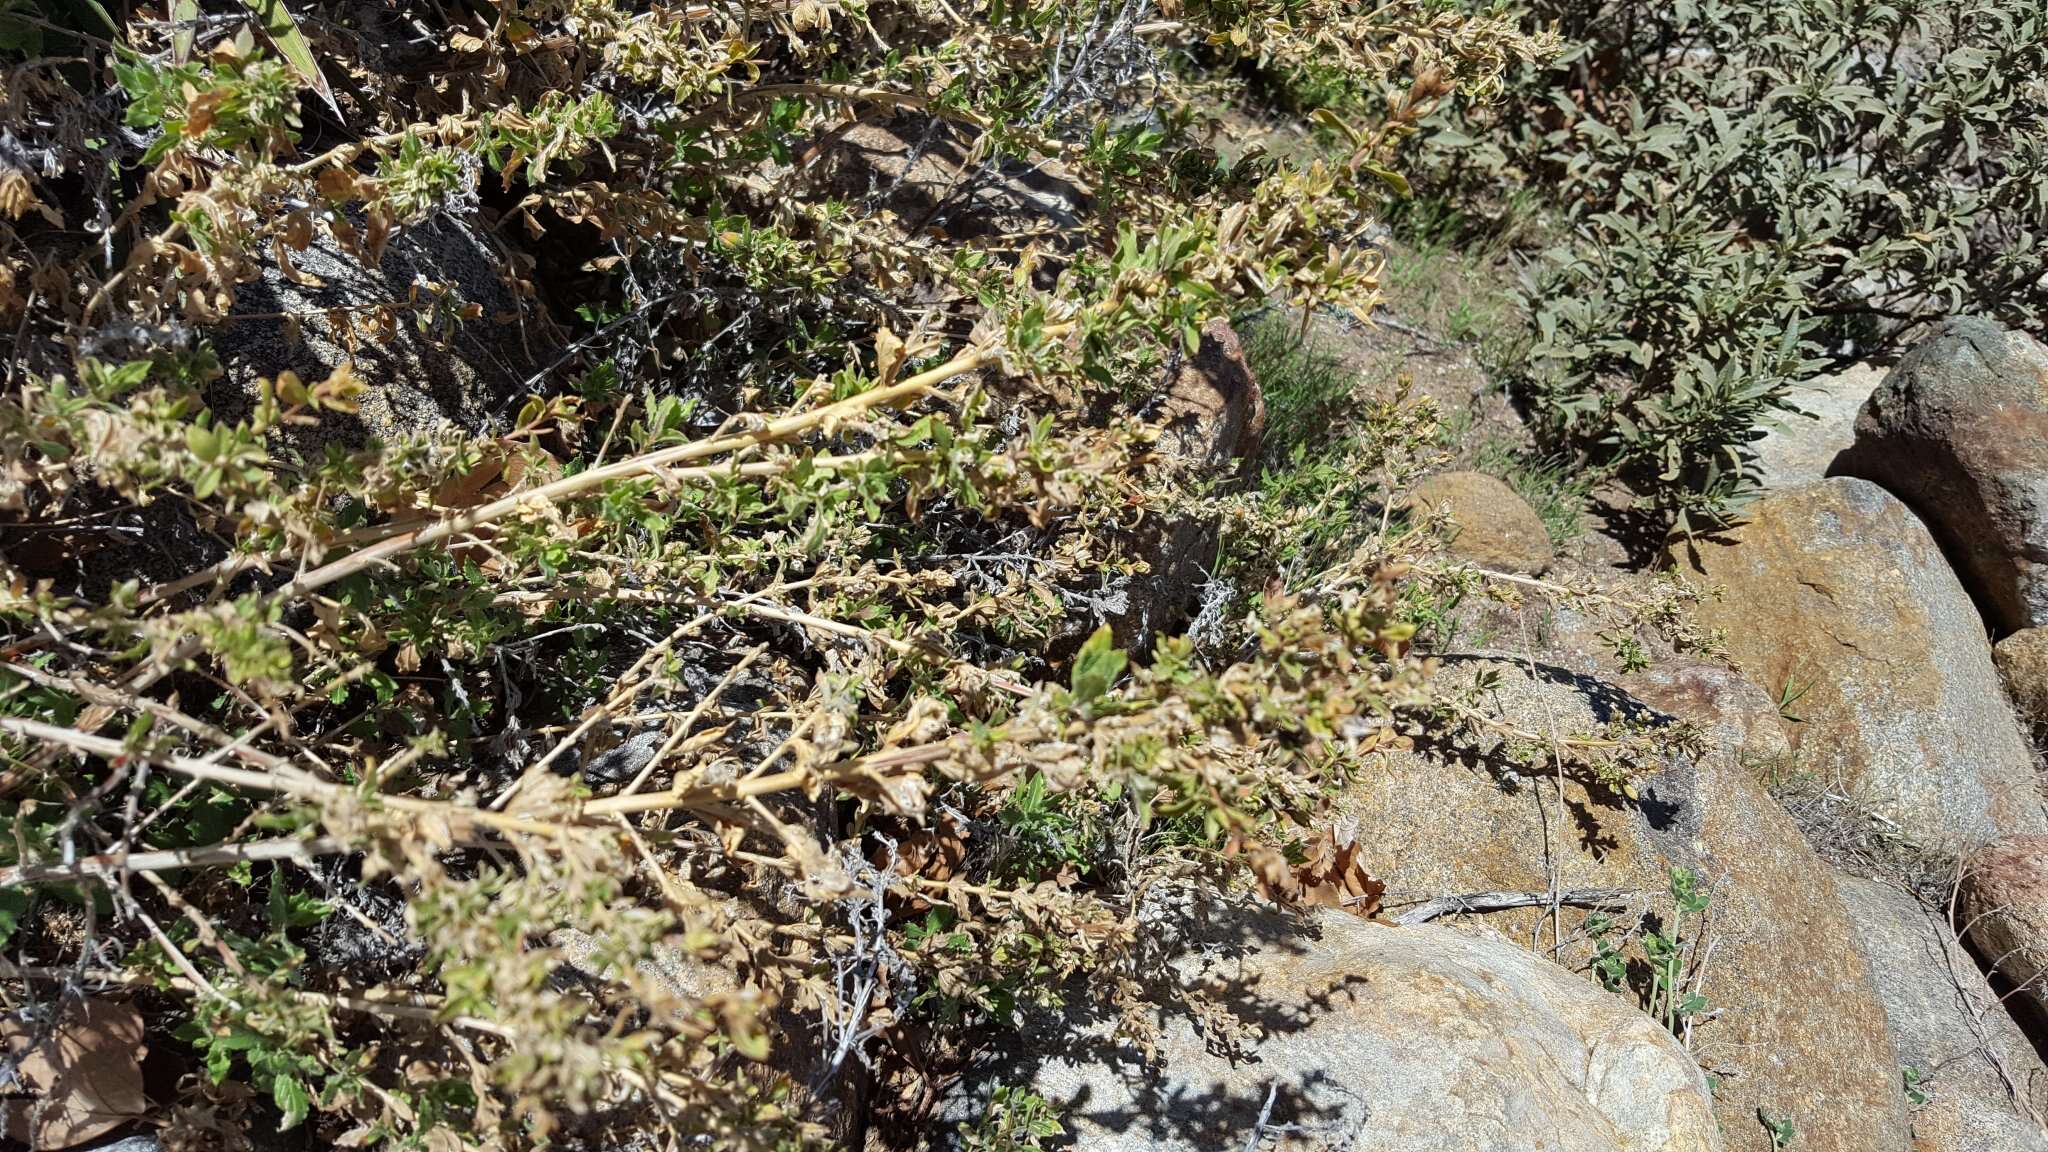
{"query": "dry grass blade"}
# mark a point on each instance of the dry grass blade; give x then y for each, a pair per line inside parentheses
(282, 30)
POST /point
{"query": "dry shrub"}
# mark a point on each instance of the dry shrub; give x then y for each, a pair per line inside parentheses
(698, 747)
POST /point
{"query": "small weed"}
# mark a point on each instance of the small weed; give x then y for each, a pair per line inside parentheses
(1666, 951)
(1914, 1082)
(1047, 835)
(1017, 1121)
(1789, 695)
(1330, 465)
(1468, 319)
(1781, 1129)
(1307, 388)
(1453, 292)
(1608, 962)
(1667, 954)
(1489, 232)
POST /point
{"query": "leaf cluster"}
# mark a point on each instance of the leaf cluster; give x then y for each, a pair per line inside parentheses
(1750, 192)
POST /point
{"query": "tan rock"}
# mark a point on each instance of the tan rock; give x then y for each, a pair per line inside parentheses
(1737, 715)
(2022, 660)
(1980, 1085)
(1365, 1037)
(1798, 1030)
(2003, 903)
(1496, 528)
(1835, 594)
(1736, 712)
(1741, 717)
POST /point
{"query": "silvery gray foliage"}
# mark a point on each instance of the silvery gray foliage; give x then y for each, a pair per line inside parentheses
(1752, 189)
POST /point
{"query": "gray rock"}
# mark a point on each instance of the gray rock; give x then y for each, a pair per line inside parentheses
(679, 979)
(927, 174)
(1364, 1037)
(470, 373)
(1801, 446)
(1983, 1087)
(1959, 430)
(618, 764)
(1835, 594)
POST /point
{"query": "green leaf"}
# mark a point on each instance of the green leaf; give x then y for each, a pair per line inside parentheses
(1329, 119)
(291, 1098)
(288, 909)
(184, 14)
(107, 23)
(1387, 176)
(1097, 666)
(14, 904)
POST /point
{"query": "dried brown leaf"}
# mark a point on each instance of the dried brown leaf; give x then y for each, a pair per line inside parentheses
(85, 1080)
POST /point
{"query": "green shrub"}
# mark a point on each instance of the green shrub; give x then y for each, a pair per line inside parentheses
(1753, 189)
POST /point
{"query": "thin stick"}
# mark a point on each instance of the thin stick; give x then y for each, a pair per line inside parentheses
(915, 388)
(656, 463)
(208, 935)
(630, 685)
(113, 698)
(710, 798)
(1605, 899)
(179, 959)
(113, 863)
(289, 783)
(305, 787)
(1943, 925)
(1252, 1142)
(745, 604)
(696, 713)
(411, 1005)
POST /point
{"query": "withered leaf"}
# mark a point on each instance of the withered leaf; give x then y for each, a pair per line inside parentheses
(280, 252)
(889, 356)
(83, 1081)
(1333, 877)
(1328, 875)
(336, 184)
